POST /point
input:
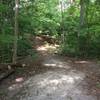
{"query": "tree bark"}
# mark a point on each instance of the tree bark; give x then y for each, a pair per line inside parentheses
(82, 13)
(72, 1)
(62, 20)
(16, 33)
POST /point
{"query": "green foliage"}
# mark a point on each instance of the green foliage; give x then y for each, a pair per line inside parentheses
(6, 48)
(82, 41)
(47, 17)
(3, 8)
(24, 47)
(6, 38)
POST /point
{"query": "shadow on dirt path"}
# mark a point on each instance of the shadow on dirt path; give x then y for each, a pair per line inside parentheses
(56, 78)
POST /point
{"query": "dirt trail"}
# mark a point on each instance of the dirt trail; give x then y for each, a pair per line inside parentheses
(58, 78)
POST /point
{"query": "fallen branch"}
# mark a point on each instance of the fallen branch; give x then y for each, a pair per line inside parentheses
(5, 74)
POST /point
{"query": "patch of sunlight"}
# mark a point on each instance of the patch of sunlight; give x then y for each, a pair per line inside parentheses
(52, 65)
(14, 87)
(17, 85)
(47, 47)
(60, 65)
(82, 62)
(54, 84)
(39, 38)
(56, 63)
(64, 79)
(41, 48)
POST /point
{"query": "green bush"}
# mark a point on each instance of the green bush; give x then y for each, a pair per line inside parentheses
(6, 48)
(23, 47)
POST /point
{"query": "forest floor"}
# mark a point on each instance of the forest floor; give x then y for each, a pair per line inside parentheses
(53, 77)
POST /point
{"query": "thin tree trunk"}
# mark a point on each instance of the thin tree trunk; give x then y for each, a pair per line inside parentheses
(72, 1)
(16, 33)
(81, 24)
(82, 13)
(62, 21)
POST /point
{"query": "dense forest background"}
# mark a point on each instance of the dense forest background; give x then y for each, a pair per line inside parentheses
(74, 23)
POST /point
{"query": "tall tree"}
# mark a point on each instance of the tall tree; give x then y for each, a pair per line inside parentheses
(82, 12)
(16, 32)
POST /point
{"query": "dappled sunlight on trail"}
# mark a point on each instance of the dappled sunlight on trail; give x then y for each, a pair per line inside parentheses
(59, 82)
(55, 85)
(55, 63)
(54, 79)
(47, 48)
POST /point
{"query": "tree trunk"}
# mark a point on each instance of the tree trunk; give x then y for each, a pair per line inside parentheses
(16, 33)
(62, 20)
(72, 1)
(82, 13)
